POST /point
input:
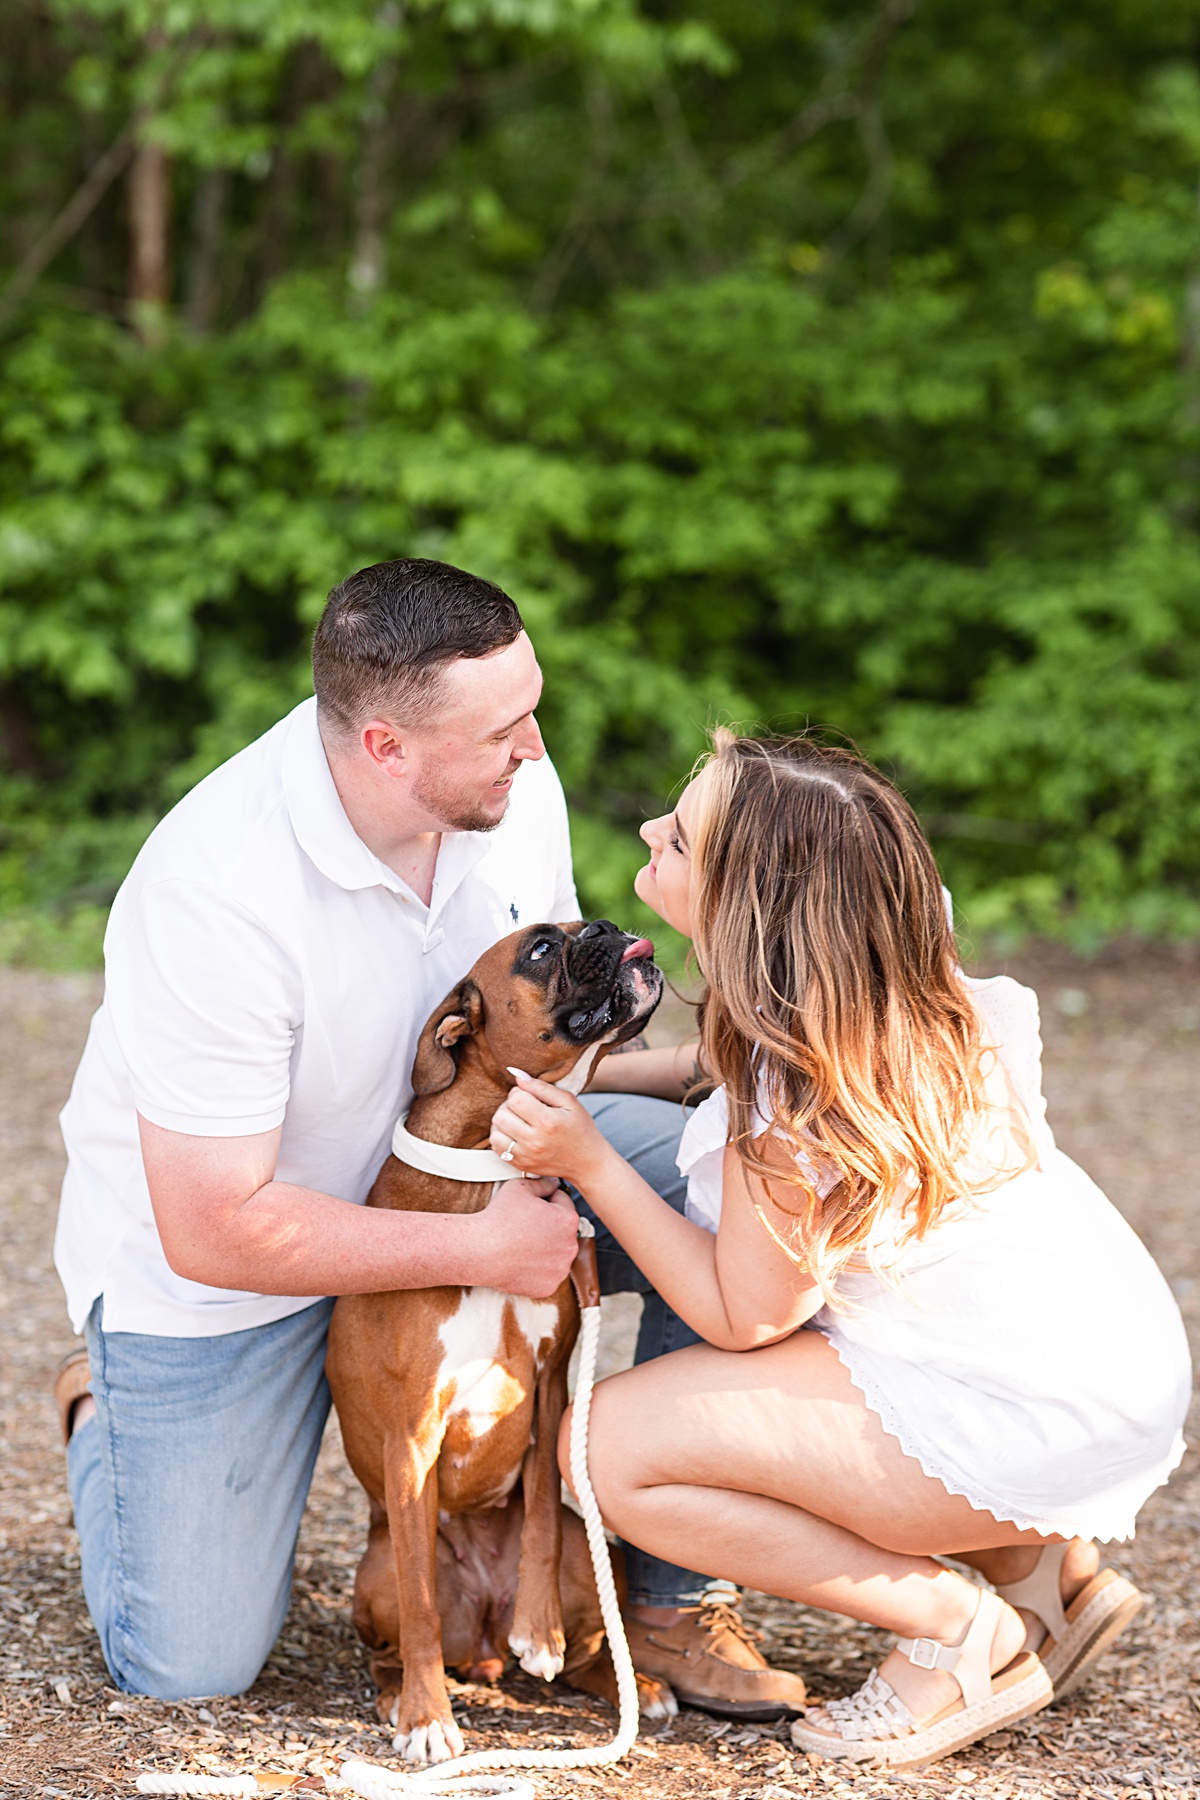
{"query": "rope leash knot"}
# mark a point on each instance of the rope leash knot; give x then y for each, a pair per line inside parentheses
(464, 1777)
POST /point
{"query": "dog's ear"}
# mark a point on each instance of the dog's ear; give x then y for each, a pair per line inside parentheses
(459, 1016)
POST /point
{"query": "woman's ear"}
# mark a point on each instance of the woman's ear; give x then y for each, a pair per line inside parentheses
(436, 1063)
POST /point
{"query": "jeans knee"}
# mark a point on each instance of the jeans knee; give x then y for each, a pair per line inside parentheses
(185, 1670)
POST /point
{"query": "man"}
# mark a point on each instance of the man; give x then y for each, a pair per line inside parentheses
(270, 961)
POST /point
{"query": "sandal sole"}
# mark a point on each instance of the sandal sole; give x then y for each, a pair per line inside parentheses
(1098, 1625)
(944, 1737)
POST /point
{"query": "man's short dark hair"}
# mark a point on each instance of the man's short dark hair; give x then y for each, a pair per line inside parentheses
(388, 632)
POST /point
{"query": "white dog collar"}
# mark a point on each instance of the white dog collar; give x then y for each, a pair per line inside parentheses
(478, 1165)
(443, 1159)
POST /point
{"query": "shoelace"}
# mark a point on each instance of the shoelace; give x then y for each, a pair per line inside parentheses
(719, 1615)
(875, 1711)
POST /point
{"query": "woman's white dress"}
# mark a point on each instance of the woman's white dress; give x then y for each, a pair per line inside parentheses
(1028, 1352)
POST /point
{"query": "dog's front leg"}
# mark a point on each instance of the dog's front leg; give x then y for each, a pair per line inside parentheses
(537, 1637)
(424, 1724)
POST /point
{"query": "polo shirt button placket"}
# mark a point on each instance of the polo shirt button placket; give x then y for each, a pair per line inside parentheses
(433, 939)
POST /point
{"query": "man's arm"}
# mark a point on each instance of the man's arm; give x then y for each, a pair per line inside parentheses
(225, 1221)
(667, 1074)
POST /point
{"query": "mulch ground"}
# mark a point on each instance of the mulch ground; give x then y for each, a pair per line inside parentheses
(1123, 1074)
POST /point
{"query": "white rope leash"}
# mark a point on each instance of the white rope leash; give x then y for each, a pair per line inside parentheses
(464, 1776)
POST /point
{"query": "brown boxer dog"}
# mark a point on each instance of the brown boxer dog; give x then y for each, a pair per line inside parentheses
(450, 1398)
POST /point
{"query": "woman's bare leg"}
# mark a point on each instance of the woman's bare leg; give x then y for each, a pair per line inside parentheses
(771, 1469)
(1014, 1562)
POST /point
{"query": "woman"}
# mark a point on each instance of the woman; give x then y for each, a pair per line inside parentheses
(927, 1332)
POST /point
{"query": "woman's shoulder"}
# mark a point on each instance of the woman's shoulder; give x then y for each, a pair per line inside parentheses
(707, 1130)
(1011, 1027)
(1004, 1000)
(707, 1133)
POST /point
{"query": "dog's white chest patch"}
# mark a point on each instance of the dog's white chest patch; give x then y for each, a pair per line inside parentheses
(472, 1344)
(576, 1079)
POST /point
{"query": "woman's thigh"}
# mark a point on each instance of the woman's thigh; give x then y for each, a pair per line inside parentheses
(786, 1422)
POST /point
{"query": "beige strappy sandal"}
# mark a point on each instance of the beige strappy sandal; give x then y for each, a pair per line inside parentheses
(875, 1726)
(1080, 1633)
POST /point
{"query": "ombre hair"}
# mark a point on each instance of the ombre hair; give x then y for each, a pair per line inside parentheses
(833, 1004)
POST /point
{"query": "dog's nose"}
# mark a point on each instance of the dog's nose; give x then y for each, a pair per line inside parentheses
(598, 928)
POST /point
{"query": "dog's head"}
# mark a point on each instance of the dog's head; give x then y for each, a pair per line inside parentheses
(550, 999)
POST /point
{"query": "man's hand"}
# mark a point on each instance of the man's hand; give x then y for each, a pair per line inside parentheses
(529, 1233)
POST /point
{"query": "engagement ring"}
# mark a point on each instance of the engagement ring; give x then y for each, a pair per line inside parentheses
(507, 1155)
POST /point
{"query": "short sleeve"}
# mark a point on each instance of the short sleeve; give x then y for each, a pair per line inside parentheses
(701, 1159)
(1013, 1024)
(205, 1005)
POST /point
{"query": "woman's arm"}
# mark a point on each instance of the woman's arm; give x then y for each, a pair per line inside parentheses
(738, 1289)
(767, 1294)
(664, 1074)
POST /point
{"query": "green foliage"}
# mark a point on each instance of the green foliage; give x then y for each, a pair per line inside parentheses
(755, 418)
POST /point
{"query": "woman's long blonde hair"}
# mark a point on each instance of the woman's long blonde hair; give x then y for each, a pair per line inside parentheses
(832, 1000)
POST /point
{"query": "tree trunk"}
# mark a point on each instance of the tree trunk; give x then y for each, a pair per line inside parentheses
(371, 197)
(149, 217)
(277, 211)
(203, 290)
(367, 269)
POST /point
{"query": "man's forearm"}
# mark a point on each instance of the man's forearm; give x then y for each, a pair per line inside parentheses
(293, 1240)
(666, 1074)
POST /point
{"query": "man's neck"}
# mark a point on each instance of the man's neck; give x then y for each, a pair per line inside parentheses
(409, 847)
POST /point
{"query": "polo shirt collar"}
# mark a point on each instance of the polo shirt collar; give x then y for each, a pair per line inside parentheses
(329, 840)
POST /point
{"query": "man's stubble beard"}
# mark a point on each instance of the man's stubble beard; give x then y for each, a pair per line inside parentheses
(444, 802)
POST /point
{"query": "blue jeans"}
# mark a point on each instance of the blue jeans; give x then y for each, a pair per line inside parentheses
(190, 1481)
(188, 1486)
(646, 1132)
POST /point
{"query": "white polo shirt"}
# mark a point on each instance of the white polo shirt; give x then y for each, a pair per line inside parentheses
(263, 967)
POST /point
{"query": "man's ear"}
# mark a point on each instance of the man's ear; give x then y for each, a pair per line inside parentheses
(460, 1015)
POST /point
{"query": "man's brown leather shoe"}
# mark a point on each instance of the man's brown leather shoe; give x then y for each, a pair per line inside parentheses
(71, 1383)
(711, 1659)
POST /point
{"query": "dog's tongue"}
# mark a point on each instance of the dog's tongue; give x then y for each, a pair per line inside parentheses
(643, 947)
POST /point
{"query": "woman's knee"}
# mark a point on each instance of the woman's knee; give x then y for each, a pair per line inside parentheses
(564, 1448)
(601, 1450)
(611, 1451)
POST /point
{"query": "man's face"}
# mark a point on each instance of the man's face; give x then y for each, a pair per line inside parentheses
(482, 728)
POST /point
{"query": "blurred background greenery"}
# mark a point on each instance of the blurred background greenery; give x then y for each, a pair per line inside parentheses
(789, 361)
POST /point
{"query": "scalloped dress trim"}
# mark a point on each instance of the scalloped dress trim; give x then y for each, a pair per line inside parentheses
(1104, 1527)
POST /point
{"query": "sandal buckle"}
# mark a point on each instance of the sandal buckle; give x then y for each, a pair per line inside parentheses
(925, 1653)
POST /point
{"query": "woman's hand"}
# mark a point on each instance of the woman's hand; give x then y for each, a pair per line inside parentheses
(547, 1132)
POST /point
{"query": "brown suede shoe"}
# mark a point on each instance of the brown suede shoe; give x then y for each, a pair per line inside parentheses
(710, 1658)
(71, 1383)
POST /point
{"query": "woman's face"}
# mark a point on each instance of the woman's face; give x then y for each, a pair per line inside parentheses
(665, 884)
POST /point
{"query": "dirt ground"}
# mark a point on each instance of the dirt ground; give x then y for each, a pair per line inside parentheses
(1123, 1061)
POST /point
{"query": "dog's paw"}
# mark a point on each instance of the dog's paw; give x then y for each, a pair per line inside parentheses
(540, 1658)
(434, 1742)
(655, 1698)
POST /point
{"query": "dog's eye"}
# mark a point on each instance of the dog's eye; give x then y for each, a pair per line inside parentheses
(540, 949)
